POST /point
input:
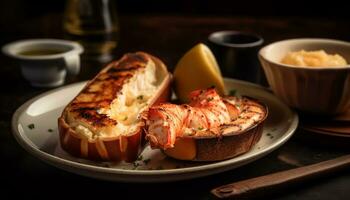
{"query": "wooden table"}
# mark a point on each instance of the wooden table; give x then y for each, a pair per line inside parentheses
(167, 37)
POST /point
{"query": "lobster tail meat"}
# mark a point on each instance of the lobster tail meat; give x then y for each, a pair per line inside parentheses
(205, 115)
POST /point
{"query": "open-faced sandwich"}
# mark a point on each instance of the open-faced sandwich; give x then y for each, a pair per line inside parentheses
(102, 122)
(209, 128)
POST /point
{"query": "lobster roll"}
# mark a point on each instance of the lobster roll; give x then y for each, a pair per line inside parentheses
(102, 122)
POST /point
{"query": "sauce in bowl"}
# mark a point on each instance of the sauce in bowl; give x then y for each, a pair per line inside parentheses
(40, 52)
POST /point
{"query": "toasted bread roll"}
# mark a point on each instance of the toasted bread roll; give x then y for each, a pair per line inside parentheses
(102, 121)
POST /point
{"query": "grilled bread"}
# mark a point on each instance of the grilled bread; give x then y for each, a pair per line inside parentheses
(102, 121)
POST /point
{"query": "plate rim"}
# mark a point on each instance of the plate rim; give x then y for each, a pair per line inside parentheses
(62, 163)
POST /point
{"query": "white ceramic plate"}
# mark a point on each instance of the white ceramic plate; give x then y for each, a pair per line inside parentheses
(34, 126)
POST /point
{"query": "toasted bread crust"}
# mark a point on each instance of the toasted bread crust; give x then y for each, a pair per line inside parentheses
(215, 149)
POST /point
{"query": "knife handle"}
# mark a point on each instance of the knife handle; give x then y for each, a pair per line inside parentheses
(253, 186)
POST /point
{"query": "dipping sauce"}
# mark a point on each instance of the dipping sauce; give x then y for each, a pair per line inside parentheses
(313, 59)
(40, 52)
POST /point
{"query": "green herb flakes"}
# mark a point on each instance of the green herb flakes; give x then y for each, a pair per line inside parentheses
(31, 126)
(159, 167)
(232, 92)
(146, 161)
(189, 133)
(140, 157)
(140, 97)
(136, 164)
(210, 98)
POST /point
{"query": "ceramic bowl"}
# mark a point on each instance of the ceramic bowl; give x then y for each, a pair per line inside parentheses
(313, 90)
(45, 62)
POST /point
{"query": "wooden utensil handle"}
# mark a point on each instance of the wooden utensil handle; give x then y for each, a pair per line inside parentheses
(272, 181)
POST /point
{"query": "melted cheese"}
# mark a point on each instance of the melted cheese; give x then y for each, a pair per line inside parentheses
(133, 98)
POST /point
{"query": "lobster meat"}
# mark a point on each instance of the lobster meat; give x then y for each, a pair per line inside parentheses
(206, 115)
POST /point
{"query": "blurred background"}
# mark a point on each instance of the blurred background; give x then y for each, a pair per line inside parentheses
(15, 13)
(169, 28)
(41, 18)
(270, 18)
(22, 9)
(19, 18)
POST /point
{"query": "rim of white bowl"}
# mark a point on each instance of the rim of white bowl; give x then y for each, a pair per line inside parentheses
(12, 49)
(263, 50)
(216, 37)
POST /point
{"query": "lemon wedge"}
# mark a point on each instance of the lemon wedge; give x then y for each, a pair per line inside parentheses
(197, 69)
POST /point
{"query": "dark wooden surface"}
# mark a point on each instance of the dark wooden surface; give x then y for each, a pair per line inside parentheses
(167, 37)
(274, 181)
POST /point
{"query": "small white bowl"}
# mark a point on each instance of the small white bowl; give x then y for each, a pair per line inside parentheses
(46, 70)
(315, 90)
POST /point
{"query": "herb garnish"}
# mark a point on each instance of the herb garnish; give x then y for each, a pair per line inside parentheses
(189, 133)
(140, 97)
(125, 118)
(146, 161)
(136, 164)
(50, 130)
(140, 157)
(210, 98)
(159, 167)
(31, 126)
(270, 135)
(232, 92)
(200, 128)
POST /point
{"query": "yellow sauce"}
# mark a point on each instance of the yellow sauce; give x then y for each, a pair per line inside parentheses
(313, 59)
